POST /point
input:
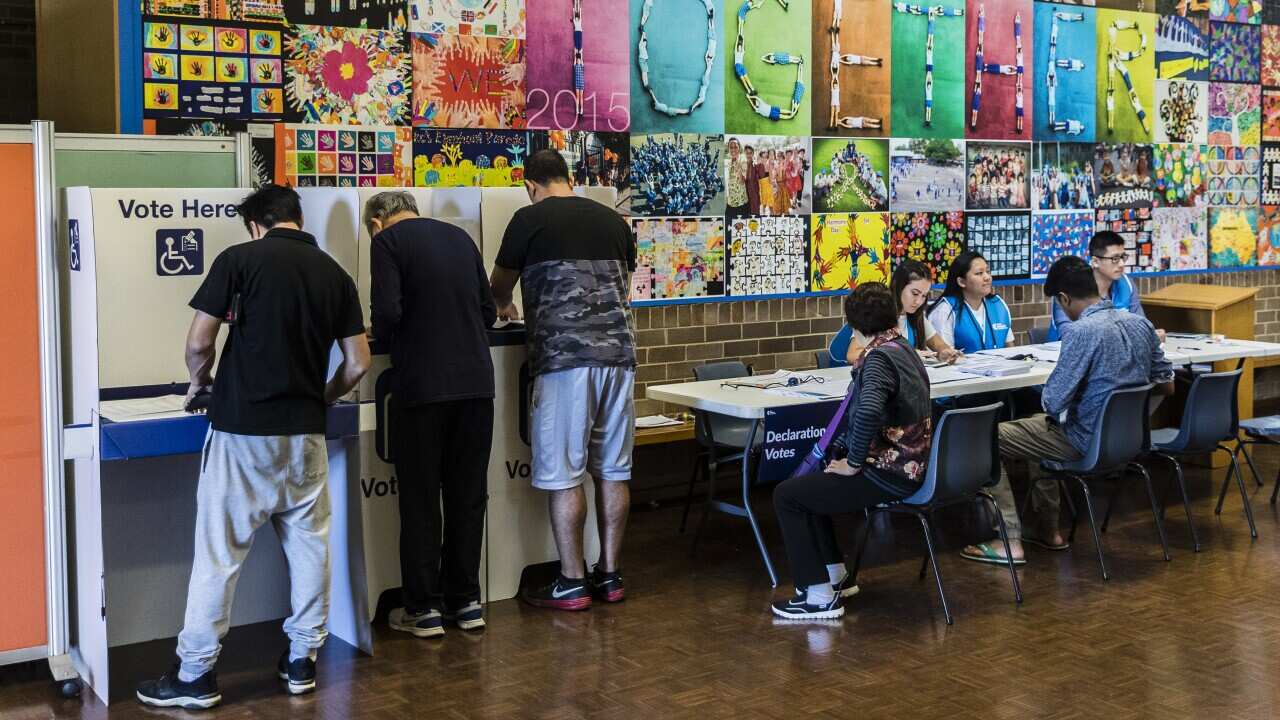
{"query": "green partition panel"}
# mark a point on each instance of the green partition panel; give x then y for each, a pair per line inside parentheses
(131, 168)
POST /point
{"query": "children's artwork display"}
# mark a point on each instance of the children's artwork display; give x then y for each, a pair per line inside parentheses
(218, 71)
(678, 258)
(1234, 175)
(928, 70)
(1063, 73)
(1235, 114)
(935, 239)
(1233, 237)
(1235, 52)
(926, 175)
(767, 175)
(347, 76)
(1123, 175)
(1270, 173)
(377, 14)
(768, 255)
(766, 88)
(1182, 111)
(848, 249)
(249, 10)
(481, 18)
(998, 176)
(1182, 48)
(349, 156)
(850, 175)
(1178, 175)
(1269, 235)
(997, 78)
(469, 158)
(677, 59)
(1236, 11)
(577, 75)
(852, 67)
(1270, 74)
(1063, 177)
(1135, 226)
(1270, 114)
(1004, 239)
(1125, 60)
(1058, 234)
(1180, 239)
(472, 81)
(594, 158)
(678, 173)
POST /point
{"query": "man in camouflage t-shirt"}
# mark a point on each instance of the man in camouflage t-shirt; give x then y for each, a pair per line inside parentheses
(573, 258)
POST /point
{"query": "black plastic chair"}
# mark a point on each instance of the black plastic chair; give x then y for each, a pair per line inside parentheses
(1260, 431)
(1210, 418)
(957, 474)
(822, 359)
(1122, 436)
(724, 439)
(1038, 335)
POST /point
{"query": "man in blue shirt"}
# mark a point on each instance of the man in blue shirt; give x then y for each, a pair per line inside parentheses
(1107, 256)
(1103, 349)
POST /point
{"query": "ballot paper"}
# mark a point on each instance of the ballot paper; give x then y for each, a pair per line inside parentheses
(829, 390)
(1047, 352)
(656, 421)
(945, 374)
(989, 366)
(152, 408)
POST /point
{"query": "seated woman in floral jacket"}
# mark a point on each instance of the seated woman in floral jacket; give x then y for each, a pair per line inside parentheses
(887, 444)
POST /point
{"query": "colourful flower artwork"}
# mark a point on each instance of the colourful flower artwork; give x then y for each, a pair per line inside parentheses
(1235, 114)
(678, 258)
(1180, 239)
(1004, 239)
(468, 81)
(347, 76)
(469, 158)
(848, 249)
(1233, 175)
(344, 156)
(935, 239)
(768, 255)
(223, 71)
(1055, 235)
(1235, 52)
(1178, 175)
(1233, 237)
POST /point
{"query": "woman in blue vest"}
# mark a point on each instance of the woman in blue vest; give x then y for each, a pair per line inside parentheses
(910, 289)
(969, 316)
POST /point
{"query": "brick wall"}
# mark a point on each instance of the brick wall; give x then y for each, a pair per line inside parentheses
(773, 334)
(17, 61)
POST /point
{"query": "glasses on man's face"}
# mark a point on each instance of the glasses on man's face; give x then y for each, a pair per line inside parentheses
(1114, 259)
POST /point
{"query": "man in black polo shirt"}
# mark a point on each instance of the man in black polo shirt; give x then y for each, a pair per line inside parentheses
(265, 459)
(432, 304)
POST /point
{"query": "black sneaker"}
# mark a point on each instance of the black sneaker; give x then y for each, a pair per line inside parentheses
(607, 587)
(846, 588)
(424, 625)
(300, 674)
(798, 608)
(467, 617)
(199, 694)
(560, 594)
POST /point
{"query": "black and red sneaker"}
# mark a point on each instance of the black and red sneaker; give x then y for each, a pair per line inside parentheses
(607, 586)
(560, 594)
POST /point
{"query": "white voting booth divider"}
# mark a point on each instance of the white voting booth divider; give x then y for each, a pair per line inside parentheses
(135, 257)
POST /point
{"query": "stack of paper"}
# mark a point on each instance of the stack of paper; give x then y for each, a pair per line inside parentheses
(154, 408)
(990, 366)
(656, 421)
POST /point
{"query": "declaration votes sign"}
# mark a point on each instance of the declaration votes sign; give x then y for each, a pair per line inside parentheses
(789, 434)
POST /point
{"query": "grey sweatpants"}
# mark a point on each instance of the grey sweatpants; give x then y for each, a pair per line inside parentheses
(246, 481)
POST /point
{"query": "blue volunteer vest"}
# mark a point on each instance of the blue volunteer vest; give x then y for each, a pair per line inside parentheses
(969, 336)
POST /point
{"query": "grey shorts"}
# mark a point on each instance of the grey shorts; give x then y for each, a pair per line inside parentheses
(583, 423)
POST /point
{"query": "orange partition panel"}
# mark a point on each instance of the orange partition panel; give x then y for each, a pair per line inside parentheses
(22, 588)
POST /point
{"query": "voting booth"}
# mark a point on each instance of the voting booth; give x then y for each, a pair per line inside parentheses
(134, 258)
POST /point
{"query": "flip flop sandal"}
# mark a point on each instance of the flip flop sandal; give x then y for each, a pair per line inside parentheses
(988, 555)
(1045, 545)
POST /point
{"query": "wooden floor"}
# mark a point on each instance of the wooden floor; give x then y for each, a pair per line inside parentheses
(1198, 637)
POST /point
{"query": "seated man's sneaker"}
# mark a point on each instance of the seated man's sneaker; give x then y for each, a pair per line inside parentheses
(300, 674)
(798, 608)
(467, 617)
(199, 694)
(424, 625)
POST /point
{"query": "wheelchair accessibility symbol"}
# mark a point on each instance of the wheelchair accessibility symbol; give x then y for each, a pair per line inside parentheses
(73, 235)
(179, 252)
